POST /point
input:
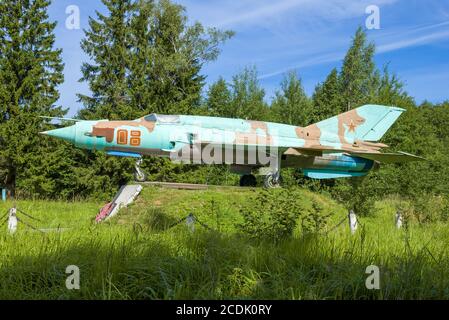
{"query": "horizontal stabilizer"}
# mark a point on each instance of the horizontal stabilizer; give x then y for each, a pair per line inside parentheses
(389, 157)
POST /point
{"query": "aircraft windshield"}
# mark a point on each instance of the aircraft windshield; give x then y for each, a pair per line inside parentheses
(162, 118)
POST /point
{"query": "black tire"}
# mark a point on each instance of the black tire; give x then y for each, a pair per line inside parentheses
(272, 181)
(248, 180)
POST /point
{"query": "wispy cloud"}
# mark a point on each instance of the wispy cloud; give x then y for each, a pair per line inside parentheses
(237, 14)
(393, 41)
(420, 40)
(260, 12)
(417, 36)
(325, 58)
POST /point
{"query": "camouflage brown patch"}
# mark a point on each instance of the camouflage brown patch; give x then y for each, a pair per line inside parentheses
(107, 128)
(311, 135)
(370, 146)
(258, 125)
(351, 120)
(253, 137)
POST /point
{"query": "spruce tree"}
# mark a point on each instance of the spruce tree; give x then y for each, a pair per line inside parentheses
(146, 58)
(30, 71)
(248, 97)
(327, 99)
(291, 104)
(106, 44)
(178, 51)
(218, 100)
(357, 71)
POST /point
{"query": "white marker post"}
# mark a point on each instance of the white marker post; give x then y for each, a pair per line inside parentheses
(12, 220)
(352, 221)
(190, 222)
(399, 220)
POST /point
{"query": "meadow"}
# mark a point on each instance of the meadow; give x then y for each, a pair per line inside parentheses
(143, 254)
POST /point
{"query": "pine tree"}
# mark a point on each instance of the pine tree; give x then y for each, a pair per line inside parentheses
(30, 71)
(358, 71)
(291, 105)
(327, 99)
(218, 101)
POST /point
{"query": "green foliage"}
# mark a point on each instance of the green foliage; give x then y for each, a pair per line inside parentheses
(120, 260)
(291, 105)
(357, 194)
(357, 72)
(154, 219)
(145, 58)
(248, 97)
(218, 102)
(327, 98)
(429, 208)
(271, 214)
(30, 72)
(315, 219)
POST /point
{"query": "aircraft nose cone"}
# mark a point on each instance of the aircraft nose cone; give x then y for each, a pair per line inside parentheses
(67, 133)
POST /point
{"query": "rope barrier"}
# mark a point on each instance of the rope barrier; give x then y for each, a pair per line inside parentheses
(5, 215)
(336, 226)
(29, 216)
(195, 219)
(29, 226)
(20, 220)
(6, 220)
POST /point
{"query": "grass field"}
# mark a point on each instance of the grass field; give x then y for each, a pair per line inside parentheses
(135, 256)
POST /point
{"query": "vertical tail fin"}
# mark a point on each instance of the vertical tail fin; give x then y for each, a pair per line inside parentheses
(368, 122)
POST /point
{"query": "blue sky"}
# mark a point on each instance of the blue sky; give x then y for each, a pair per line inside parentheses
(309, 36)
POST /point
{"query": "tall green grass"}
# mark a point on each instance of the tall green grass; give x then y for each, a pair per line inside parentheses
(134, 256)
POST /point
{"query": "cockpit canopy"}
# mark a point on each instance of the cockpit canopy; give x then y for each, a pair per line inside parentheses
(162, 118)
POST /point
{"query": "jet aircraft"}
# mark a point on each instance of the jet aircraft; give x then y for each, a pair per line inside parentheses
(344, 146)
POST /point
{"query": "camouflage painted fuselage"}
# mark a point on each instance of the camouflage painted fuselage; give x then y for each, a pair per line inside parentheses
(342, 146)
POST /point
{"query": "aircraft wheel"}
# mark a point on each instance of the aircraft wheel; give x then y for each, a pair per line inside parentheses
(272, 180)
(248, 180)
(139, 175)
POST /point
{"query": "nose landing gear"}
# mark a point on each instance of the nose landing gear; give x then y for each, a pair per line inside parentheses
(139, 175)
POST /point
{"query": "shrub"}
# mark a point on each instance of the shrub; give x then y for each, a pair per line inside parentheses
(315, 219)
(156, 219)
(357, 194)
(430, 208)
(272, 214)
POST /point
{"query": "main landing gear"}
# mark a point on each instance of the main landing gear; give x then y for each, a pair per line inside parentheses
(272, 180)
(139, 175)
(248, 180)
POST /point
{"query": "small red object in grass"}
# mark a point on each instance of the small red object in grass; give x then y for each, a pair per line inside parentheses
(104, 212)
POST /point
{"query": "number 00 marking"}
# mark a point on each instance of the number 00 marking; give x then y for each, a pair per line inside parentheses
(122, 137)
